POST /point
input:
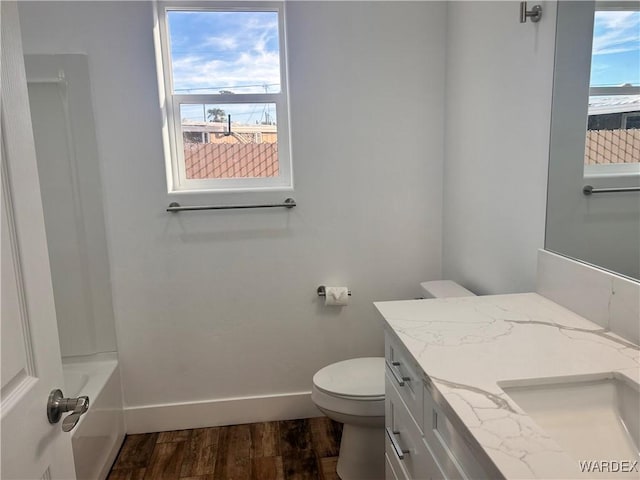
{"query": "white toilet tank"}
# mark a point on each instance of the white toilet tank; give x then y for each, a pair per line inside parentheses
(444, 289)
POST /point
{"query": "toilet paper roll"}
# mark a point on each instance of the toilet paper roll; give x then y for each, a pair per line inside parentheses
(336, 296)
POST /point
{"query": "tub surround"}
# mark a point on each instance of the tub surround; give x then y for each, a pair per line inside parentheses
(466, 347)
(97, 437)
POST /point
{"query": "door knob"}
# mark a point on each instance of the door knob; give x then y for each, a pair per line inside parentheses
(57, 405)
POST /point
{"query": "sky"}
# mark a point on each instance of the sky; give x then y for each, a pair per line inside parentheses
(225, 51)
(616, 48)
(239, 52)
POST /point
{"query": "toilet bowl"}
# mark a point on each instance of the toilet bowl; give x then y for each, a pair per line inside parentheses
(352, 392)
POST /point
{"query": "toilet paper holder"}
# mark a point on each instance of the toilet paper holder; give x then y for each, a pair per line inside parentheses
(322, 291)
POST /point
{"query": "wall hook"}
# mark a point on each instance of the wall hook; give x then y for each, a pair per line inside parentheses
(535, 14)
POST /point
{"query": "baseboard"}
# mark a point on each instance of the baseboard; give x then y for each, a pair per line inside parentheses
(212, 413)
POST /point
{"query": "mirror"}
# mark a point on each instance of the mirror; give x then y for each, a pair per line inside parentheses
(593, 201)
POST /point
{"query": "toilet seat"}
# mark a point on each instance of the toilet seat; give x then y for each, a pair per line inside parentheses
(351, 387)
(357, 377)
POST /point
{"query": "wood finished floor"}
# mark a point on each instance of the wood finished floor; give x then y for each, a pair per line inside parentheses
(286, 450)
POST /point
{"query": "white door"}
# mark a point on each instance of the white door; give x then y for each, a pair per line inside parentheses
(32, 448)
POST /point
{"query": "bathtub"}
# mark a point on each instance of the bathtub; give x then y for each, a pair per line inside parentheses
(100, 432)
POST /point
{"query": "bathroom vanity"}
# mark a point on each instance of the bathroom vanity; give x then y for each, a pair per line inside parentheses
(506, 386)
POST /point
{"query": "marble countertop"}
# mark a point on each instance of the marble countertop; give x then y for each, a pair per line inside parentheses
(467, 345)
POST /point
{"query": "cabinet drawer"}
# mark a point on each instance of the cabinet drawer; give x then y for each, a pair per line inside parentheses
(392, 468)
(404, 444)
(454, 456)
(405, 377)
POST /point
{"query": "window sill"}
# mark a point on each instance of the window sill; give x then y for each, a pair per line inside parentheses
(622, 175)
(228, 191)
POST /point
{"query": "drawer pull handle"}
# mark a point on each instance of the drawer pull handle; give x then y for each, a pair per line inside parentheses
(394, 443)
(396, 374)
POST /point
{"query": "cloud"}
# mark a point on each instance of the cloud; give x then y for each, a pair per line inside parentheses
(223, 43)
(616, 20)
(616, 32)
(227, 50)
(197, 72)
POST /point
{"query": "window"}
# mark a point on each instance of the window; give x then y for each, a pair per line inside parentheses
(222, 75)
(613, 128)
(631, 120)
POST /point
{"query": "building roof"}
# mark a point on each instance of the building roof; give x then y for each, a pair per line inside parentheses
(220, 127)
(614, 104)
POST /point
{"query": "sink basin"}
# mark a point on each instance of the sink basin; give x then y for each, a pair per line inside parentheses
(592, 419)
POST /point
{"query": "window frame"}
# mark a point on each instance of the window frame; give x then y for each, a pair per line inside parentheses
(612, 171)
(170, 103)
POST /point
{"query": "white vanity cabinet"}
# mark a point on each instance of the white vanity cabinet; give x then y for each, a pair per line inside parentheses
(449, 362)
(421, 442)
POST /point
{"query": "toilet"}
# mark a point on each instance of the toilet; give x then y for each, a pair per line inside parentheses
(352, 392)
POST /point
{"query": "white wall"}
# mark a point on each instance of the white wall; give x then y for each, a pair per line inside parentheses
(212, 305)
(498, 103)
